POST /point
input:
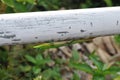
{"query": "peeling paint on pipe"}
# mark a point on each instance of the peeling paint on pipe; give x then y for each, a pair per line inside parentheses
(21, 28)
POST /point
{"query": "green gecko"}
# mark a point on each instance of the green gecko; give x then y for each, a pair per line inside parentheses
(59, 44)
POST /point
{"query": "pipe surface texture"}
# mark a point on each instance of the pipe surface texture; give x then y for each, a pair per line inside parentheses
(21, 28)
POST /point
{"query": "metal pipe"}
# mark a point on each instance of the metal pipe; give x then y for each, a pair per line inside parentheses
(21, 28)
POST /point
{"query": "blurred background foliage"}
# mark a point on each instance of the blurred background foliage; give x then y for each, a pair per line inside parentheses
(44, 5)
(31, 64)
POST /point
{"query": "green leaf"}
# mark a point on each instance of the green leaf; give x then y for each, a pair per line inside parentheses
(98, 77)
(108, 2)
(41, 61)
(19, 7)
(28, 1)
(117, 78)
(59, 44)
(25, 68)
(105, 66)
(9, 9)
(30, 59)
(49, 45)
(31, 1)
(3, 74)
(82, 66)
(8, 2)
(117, 39)
(112, 70)
(36, 70)
(76, 76)
(51, 74)
(39, 58)
(75, 56)
(44, 61)
(97, 62)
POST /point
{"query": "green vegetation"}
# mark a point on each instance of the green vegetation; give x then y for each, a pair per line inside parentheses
(100, 70)
(42, 5)
(35, 64)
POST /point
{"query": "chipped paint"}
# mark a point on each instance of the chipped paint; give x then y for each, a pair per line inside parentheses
(91, 24)
(16, 40)
(8, 36)
(63, 32)
(117, 23)
(36, 37)
(70, 27)
(82, 30)
(1, 32)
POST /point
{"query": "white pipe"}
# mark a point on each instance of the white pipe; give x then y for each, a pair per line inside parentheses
(20, 28)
